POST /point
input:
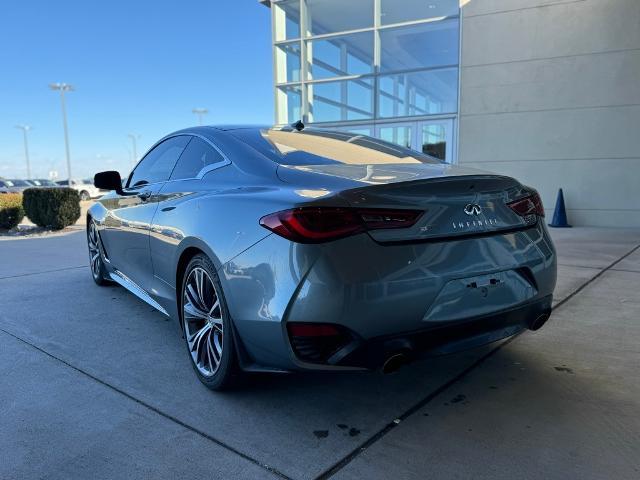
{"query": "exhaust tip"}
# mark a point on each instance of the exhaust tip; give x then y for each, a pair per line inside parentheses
(539, 321)
(394, 362)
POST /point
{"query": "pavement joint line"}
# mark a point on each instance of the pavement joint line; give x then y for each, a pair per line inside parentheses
(595, 277)
(40, 273)
(339, 465)
(152, 408)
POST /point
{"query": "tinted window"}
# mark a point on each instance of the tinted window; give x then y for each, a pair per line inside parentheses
(325, 147)
(19, 183)
(195, 157)
(42, 183)
(156, 166)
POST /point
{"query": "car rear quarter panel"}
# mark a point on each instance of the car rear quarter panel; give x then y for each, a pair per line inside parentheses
(218, 215)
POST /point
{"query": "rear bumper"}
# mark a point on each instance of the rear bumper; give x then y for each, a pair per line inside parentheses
(428, 298)
(449, 337)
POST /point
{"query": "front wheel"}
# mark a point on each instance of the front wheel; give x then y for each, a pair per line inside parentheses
(98, 270)
(206, 324)
(84, 196)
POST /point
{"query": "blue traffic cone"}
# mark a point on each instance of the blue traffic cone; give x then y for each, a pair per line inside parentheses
(560, 214)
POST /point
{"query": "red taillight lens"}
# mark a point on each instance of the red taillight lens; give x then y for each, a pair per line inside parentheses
(531, 205)
(312, 330)
(317, 342)
(323, 224)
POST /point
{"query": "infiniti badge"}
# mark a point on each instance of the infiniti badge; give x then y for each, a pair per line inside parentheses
(472, 209)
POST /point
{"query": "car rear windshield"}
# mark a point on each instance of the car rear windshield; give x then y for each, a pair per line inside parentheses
(325, 147)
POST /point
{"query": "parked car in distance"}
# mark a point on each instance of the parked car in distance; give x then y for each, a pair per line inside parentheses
(43, 182)
(87, 191)
(13, 186)
(284, 249)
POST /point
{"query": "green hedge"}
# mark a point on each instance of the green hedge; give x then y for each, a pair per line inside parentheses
(54, 208)
(11, 211)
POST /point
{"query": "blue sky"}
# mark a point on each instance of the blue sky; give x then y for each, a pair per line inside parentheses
(137, 66)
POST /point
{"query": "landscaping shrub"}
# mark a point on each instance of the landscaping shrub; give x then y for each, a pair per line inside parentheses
(54, 208)
(11, 211)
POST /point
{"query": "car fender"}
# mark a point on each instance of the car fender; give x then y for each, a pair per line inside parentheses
(195, 243)
(98, 213)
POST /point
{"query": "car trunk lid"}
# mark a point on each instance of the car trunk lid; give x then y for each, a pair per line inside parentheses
(455, 201)
(451, 206)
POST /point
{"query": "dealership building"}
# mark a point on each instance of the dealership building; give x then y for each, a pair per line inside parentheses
(547, 91)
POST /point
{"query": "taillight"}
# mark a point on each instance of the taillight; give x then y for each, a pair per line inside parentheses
(312, 329)
(323, 224)
(530, 205)
(317, 342)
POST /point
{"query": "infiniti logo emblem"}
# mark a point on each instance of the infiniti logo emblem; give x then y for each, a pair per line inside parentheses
(472, 209)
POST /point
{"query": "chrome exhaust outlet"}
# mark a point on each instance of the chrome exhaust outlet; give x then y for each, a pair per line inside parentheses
(394, 362)
(539, 321)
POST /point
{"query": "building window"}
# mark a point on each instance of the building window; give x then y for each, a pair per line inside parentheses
(394, 11)
(400, 135)
(340, 56)
(395, 76)
(331, 16)
(424, 45)
(286, 20)
(288, 103)
(429, 92)
(434, 141)
(342, 100)
(287, 62)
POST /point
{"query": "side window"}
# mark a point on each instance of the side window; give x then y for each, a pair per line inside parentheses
(195, 157)
(156, 166)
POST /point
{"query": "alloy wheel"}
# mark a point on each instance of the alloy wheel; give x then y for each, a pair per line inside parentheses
(95, 262)
(203, 323)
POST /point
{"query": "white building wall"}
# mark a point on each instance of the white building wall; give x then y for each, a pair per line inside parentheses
(550, 93)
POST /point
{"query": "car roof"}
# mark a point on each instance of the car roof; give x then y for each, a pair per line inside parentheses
(242, 127)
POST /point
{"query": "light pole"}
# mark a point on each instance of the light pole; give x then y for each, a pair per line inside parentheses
(25, 129)
(134, 138)
(64, 87)
(200, 112)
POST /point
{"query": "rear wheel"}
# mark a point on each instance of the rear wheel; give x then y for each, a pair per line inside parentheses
(206, 324)
(84, 195)
(98, 270)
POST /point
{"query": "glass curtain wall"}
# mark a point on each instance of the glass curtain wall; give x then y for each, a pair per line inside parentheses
(384, 67)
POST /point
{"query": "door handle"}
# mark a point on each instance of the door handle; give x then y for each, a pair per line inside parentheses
(144, 196)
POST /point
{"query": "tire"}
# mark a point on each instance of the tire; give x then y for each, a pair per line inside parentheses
(96, 262)
(206, 325)
(84, 196)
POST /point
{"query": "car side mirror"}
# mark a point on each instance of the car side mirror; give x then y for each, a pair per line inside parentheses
(109, 180)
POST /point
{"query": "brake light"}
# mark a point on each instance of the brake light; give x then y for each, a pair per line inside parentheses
(531, 205)
(312, 330)
(323, 224)
(317, 342)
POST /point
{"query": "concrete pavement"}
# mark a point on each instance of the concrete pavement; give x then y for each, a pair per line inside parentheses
(93, 383)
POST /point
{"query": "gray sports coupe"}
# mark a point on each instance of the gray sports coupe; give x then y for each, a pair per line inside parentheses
(282, 249)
